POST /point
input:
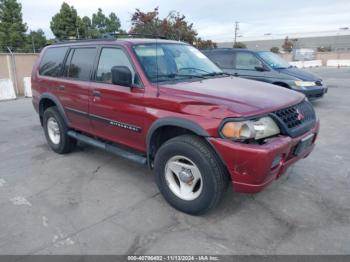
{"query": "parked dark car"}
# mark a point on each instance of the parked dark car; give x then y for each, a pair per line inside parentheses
(267, 67)
(164, 104)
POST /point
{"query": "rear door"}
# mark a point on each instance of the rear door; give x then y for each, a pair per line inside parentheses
(74, 88)
(246, 64)
(117, 112)
(50, 71)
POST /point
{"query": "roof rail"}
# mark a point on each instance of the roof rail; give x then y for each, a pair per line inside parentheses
(112, 35)
(65, 41)
(107, 37)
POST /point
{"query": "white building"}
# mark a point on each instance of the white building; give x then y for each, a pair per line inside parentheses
(338, 40)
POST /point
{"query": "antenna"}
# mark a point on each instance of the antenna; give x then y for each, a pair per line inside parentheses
(157, 67)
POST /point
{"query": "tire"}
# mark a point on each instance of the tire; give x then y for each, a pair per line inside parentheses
(190, 151)
(64, 144)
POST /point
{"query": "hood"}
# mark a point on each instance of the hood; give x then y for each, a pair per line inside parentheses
(240, 96)
(300, 74)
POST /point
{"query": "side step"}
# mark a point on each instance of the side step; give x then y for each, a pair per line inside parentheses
(109, 148)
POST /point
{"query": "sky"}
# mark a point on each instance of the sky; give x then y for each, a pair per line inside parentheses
(212, 19)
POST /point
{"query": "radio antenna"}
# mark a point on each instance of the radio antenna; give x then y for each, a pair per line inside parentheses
(157, 67)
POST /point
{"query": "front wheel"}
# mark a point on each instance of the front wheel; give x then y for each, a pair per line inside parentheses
(190, 175)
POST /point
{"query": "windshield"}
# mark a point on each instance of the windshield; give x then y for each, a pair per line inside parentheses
(273, 60)
(169, 62)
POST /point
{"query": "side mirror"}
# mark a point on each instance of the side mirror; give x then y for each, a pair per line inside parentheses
(121, 75)
(260, 68)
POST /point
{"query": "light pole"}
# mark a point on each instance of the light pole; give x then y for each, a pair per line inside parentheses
(236, 32)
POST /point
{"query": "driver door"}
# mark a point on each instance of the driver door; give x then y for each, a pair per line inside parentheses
(246, 64)
(117, 112)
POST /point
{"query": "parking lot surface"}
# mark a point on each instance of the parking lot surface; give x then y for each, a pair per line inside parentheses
(91, 202)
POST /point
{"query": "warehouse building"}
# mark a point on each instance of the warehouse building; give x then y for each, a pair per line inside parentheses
(338, 40)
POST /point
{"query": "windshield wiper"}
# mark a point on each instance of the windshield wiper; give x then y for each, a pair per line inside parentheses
(193, 68)
(217, 74)
(174, 75)
(282, 67)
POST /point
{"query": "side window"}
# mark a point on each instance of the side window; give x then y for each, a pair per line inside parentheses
(109, 58)
(224, 60)
(79, 63)
(247, 61)
(51, 63)
(69, 59)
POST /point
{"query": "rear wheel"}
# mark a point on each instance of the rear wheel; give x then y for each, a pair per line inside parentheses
(56, 132)
(189, 174)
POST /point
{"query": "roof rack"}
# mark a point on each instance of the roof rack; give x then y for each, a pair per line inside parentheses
(65, 41)
(112, 35)
(109, 37)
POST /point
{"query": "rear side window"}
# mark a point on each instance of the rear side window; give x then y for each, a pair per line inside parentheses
(224, 60)
(52, 61)
(247, 61)
(79, 63)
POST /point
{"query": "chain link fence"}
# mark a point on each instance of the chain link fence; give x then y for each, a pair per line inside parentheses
(30, 50)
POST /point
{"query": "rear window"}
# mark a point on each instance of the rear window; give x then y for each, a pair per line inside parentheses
(51, 63)
(79, 63)
(224, 60)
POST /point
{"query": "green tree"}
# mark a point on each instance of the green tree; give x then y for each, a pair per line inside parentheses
(275, 50)
(65, 24)
(12, 28)
(102, 24)
(99, 21)
(85, 28)
(112, 23)
(35, 41)
(239, 45)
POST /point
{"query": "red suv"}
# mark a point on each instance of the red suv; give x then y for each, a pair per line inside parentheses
(165, 105)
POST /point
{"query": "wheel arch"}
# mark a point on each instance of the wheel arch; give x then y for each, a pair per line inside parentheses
(48, 100)
(279, 83)
(166, 128)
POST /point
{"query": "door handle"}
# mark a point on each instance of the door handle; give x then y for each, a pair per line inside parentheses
(96, 93)
(61, 87)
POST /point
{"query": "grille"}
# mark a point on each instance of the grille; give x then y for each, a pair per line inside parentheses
(297, 119)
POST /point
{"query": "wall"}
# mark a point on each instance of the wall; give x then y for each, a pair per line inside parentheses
(4, 70)
(323, 56)
(332, 55)
(337, 42)
(23, 64)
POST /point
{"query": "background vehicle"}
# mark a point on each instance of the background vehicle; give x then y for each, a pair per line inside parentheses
(267, 67)
(166, 105)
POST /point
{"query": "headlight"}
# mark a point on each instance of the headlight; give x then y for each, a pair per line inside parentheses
(304, 83)
(250, 129)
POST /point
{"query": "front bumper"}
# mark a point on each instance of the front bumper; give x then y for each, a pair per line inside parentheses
(252, 167)
(313, 92)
